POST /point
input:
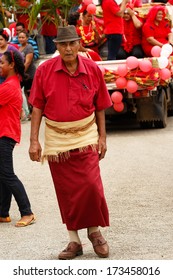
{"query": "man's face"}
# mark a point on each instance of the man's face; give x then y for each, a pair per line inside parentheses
(19, 29)
(68, 50)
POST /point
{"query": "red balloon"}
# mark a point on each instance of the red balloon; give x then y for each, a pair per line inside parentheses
(91, 9)
(122, 70)
(87, 2)
(121, 82)
(131, 86)
(155, 51)
(145, 65)
(119, 107)
(165, 74)
(117, 97)
(132, 62)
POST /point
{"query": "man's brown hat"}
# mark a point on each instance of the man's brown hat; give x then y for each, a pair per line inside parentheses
(66, 34)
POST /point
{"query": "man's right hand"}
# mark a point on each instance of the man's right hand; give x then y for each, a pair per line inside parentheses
(35, 151)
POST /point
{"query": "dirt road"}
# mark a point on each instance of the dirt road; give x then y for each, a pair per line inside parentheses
(138, 178)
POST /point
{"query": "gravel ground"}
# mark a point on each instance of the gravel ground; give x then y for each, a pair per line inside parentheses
(137, 176)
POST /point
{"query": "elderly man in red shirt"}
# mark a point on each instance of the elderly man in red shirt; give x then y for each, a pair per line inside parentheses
(70, 92)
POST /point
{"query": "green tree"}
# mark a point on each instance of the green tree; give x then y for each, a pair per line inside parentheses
(54, 10)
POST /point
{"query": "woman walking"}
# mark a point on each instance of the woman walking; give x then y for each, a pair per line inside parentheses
(12, 69)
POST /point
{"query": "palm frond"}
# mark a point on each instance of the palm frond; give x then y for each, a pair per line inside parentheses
(55, 10)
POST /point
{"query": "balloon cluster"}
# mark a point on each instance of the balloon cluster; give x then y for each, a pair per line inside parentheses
(117, 98)
(91, 8)
(122, 70)
(144, 65)
(162, 54)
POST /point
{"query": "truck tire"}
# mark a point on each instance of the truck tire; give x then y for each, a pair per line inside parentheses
(162, 123)
(170, 105)
(146, 124)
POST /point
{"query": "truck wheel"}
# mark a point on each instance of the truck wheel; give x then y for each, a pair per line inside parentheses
(162, 123)
(158, 124)
(170, 105)
(146, 124)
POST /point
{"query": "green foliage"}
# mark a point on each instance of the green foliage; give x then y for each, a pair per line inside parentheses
(50, 7)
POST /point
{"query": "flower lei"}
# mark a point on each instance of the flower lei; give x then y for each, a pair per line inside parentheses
(87, 38)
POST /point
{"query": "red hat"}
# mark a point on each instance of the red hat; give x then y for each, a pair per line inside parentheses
(82, 8)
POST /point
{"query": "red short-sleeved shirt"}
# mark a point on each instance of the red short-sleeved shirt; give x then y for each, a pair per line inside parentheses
(48, 28)
(159, 32)
(112, 23)
(24, 18)
(132, 35)
(65, 98)
(10, 108)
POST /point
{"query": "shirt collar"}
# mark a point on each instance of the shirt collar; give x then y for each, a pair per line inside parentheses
(60, 65)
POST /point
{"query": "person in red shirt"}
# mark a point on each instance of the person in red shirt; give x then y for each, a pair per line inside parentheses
(156, 30)
(113, 23)
(70, 92)
(131, 45)
(90, 32)
(73, 19)
(12, 68)
(49, 32)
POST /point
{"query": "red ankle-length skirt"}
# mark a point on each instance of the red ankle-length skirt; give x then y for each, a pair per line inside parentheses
(79, 190)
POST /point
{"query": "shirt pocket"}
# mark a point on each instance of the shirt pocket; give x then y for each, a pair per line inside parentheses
(80, 93)
(86, 96)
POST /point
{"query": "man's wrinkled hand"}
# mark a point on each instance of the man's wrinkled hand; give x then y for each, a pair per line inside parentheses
(35, 151)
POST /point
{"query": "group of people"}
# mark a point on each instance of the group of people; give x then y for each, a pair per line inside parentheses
(44, 37)
(128, 34)
(122, 30)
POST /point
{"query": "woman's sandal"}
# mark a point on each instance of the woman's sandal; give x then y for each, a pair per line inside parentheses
(5, 219)
(21, 223)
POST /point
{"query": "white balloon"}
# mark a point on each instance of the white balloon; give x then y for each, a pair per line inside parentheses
(167, 47)
(165, 53)
(163, 62)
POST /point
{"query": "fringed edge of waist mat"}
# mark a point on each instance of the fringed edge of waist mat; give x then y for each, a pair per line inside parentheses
(63, 156)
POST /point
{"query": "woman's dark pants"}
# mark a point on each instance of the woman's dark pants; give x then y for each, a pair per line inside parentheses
(114, 44)
(9, 182)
